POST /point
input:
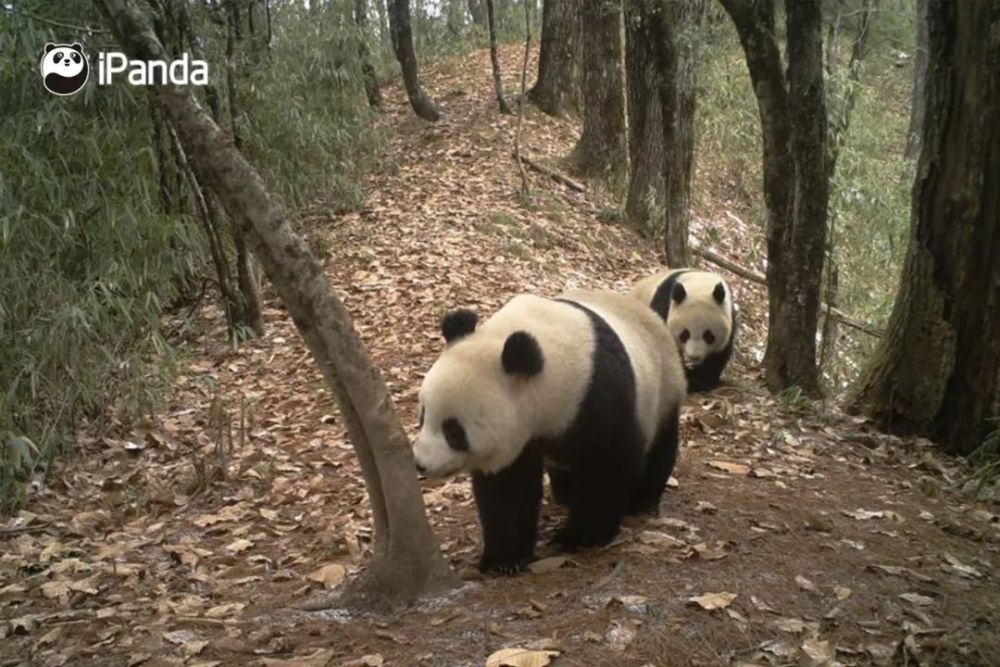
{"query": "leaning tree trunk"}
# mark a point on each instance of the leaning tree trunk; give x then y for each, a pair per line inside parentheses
(402, 41)
(601, 149)
(937, 370)
(557, 89)
(796, 192)
(406, 560)
(919, 77)
(495, 60)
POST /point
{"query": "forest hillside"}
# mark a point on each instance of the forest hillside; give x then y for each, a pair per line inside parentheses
(790, 533)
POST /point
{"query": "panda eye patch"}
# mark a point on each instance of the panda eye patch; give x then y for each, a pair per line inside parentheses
(76, 57)
(454, 433)
(709, 336)
(685, 335)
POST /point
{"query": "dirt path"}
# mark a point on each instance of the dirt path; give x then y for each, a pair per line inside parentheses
(185, 542)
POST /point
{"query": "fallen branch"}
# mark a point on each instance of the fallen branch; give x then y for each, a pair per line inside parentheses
(554, 175)
(754, 277)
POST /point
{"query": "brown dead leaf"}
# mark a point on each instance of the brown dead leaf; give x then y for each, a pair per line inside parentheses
(520, 657)
(622, 633)
(864, 515)
(56, 589)
(805, 584)
(816, 653)
(917, 599)
(550, 564)
(370, 660)
(318, 658)
(710, 601)
(239, 545)
(329, 575)
(787, 624)
(660, 540)
(842, 592)
(956, 566)
(732, 468)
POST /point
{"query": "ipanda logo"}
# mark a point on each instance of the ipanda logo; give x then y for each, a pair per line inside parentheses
(66, 68)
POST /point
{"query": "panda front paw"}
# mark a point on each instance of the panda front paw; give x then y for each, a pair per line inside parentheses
(503, 565)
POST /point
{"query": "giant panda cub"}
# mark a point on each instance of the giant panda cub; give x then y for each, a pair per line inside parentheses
(700, 315)
(587, 386)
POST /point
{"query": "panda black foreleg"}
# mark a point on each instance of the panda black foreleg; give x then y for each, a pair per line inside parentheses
(561, 481)
(508, 502)
(603, 483)
(659, 464)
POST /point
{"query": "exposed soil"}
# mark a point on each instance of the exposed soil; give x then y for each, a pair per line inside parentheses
(182, 541)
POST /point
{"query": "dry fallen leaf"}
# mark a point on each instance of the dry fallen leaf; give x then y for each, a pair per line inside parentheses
(318, 658)
(240, 545)
(864, 515)
(917, 599)
(816, 653)
(370, 660)
(786, 624)
(961, 569)
(520, 657)
(710, 601)
(842, 592)
(660, 540)
(805, 584)
(329, 575)
(733, 468)
(550, 564)
(622, 633)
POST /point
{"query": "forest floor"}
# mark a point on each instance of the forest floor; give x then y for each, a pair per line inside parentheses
(191, 538)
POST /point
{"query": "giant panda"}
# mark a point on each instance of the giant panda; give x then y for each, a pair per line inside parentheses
(587, 386)
(698, 309)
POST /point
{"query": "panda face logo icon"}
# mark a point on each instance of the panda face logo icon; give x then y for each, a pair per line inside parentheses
(64, 68)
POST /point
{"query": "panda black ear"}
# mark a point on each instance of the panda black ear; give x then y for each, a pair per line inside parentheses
(76, 47)
(49, 47)
(458, 323)
(719, 293)
(522, 355)
(678, 294)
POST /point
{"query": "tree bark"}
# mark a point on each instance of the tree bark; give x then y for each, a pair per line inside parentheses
(495, 60)
(796, 191)
(601, 149)
(557, 88)
(402, 40)
(372, 91)
(644, 30)
(406, 560)
(477, 9)
(937, 371)
(919, 77)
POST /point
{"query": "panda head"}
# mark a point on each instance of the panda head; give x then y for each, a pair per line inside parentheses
(64, 68)
(700, 317)
(468, 400)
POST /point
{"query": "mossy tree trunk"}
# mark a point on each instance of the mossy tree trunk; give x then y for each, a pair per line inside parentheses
(557, 88)
(793, 120)
(406, 560)
(938, 369)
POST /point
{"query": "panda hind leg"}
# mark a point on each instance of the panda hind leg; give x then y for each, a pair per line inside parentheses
(659, 464)
(508, 502)
(604, 483)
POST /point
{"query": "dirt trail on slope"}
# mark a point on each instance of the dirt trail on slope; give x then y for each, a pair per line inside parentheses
(187, 539)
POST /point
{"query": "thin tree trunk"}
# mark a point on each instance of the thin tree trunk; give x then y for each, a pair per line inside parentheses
(796, 192)
(841, 102)
(406, 560)
(557, 88)
(601, 149)
(937, 370)
(478, 11)
(495, 60)
(919, 77)
(367, 69)
(402, 39)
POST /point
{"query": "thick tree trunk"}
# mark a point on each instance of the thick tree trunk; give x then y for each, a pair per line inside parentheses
(557, 89)
(372, 91)
(406, 560)
(677, 58)
(919, 77)
(402, 40)
(643, 33)
(495, 60)
(601, 149)
(796, 192)
(938, 368)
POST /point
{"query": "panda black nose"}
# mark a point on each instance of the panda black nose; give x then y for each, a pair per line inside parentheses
(421, 469)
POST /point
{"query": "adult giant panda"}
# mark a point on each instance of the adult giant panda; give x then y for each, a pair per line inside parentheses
(700, 315)
(587, 386)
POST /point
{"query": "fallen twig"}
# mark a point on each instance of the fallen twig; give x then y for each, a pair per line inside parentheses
(554, 175)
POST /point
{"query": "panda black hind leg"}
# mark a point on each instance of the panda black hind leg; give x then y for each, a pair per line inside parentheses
(508, 502)
(659, 464)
